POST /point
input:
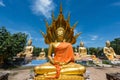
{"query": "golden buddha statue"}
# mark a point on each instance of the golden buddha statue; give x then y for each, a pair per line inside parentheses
(28, 50)
(82, 50)
(109, 51)
(42, 54)
(62, 65)
(63, 62)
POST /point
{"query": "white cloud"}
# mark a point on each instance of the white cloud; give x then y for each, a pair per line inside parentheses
(116, 4)
(43, 7)
(1, 3)
(94, 37)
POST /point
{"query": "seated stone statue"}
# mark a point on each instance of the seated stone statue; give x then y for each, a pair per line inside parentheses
(63, 61)
(82, 50)
(109, 51)
(42, 54)
(28, 50)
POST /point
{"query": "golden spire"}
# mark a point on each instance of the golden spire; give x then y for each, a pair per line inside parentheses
(74, 25)
(46, 23)
(51, 35)
(68, 19)
(53, 16)
(76, 36)
(61, 8)
(42, 34)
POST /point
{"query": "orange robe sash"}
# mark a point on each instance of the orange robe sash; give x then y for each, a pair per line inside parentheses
(63, 53)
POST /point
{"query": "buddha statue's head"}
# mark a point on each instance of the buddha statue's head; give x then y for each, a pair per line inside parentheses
(29, 42)
(42, 49)
(60, 34)
(81, 44)
(107, 43)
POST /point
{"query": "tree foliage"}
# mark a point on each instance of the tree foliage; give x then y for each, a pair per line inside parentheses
(37, 51)
(95, 51)
(11, 44)
(92, 50)
(116, 45)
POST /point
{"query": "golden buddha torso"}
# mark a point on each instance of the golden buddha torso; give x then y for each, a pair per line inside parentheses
(82, 50)
(62, 59)
(109, 51)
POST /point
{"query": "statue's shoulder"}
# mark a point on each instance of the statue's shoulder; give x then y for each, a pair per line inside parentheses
(32, 47)
(52, 44)
(105, 47)
(29, 46)
(82, 47)
(111, 48)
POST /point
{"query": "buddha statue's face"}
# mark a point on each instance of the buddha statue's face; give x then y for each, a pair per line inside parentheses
(81, 44)
(60, 34)
(42, 49)
(107, 43)
(29, 42)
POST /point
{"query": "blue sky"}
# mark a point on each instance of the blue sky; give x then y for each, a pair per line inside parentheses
(99, 20)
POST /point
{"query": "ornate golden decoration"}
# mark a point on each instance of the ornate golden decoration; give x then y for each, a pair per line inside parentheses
(51, 35)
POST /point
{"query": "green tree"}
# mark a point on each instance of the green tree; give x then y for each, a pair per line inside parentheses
(11, 44)
(18, 42)
(5, 37)
(36, 51)
(92, 51)
(116, 45)
(99, 51)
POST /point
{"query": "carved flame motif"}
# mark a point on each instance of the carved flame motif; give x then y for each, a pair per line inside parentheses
(51, 36)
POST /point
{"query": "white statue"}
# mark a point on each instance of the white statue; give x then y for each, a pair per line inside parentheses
(42, 54)
(28, 50)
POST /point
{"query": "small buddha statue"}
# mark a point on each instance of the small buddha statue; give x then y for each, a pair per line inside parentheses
(28, 50)
(42, 54)
(109, 51)
(82, 50)
(63, 61)
(95, 59)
